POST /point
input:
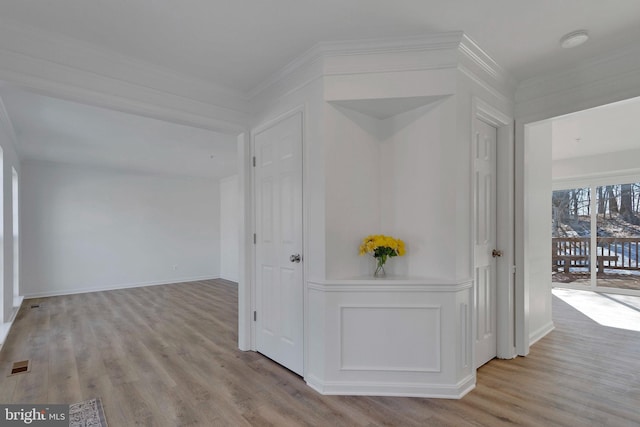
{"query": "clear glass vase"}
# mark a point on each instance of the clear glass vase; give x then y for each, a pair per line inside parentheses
(379, 269)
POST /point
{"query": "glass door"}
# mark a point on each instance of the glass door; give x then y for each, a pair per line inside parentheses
(571, 236)
(618, 236)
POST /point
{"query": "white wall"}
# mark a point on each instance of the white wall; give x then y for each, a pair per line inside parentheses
(419, 198)
(229, 228)
(353, 179)
(86, 229)
(10, 160)
(537, 240)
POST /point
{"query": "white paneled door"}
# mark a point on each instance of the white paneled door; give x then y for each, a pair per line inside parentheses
(486, 252)
(278, 270)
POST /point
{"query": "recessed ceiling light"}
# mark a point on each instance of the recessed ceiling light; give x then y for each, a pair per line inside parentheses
(574, 38)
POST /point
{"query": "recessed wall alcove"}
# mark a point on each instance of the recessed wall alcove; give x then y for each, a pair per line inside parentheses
(396, 190)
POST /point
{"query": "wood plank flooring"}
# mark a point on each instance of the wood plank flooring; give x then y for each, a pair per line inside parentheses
(167, 356)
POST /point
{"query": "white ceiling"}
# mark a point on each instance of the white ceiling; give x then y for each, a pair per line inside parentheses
(240, 43)
(607, 129)
(63, 131)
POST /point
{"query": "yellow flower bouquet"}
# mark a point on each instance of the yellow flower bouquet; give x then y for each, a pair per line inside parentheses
(382, 247)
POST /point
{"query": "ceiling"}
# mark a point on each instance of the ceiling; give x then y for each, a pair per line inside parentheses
(62, 131)
(239, 44)
(607, 129)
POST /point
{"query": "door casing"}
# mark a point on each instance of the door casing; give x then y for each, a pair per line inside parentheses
(246, 158)
(485, 221)
(505, 214)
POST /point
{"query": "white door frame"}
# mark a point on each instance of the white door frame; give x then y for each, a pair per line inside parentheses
(247, 301)
(505, 215)
(277, 338)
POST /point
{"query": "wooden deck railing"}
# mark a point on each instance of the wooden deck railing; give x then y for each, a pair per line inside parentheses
(621, 253)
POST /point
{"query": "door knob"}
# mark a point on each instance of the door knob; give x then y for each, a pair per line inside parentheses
(496, 253)
(295, 258)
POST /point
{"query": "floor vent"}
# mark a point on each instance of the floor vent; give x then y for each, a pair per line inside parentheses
(35, 306)
(20, 367)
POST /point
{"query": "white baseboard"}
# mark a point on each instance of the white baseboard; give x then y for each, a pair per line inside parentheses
(4, 331)
(443, 391)
(229, 278)
(6, 326)
(116, 287)
(537, 335)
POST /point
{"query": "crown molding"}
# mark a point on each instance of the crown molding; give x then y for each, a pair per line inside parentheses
(484, 64)
(434, 41)
(8, 125)
(66, 67)
(72, 69)
(323, 50)
(396, 54)
(54, 47)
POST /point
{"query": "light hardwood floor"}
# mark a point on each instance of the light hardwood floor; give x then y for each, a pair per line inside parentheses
(167, 356)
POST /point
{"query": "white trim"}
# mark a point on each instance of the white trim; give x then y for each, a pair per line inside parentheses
(540, 333)
(118, 286)
(489, 114)
(387, 285)
(36, 42)
(305, 60)
(74, 70)
(357, 47)
(417, 370)
(250, 263)
(245, 259)
(453, 40)
(8, 125)
(471, 49)
(505, 218)
(483, 84)
(609, 178)
(5, 327)
(266, 124)
(358, 388)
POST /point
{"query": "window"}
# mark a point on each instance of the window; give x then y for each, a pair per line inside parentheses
(596, 236)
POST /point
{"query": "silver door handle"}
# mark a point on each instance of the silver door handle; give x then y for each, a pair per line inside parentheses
(295, 258)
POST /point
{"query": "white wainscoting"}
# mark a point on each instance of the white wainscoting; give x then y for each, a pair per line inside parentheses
(375, 338)
(390, 337)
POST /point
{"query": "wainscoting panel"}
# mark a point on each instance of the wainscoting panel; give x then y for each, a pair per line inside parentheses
(392, 338)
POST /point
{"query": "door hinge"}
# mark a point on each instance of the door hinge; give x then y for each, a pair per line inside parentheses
(254, 161)
(255, 316)
(255, 239)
